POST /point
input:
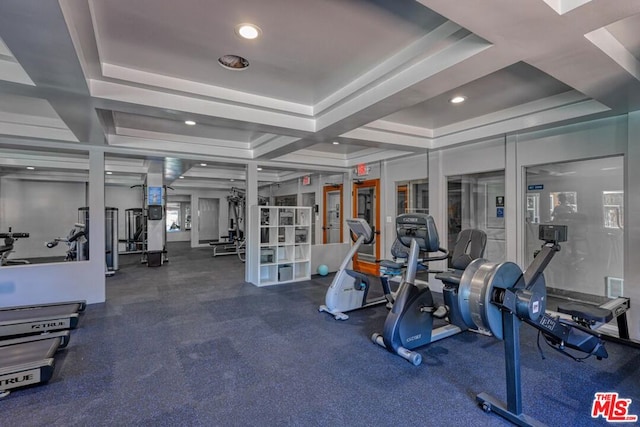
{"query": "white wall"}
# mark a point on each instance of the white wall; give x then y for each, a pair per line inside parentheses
(194, 196)
(406, 169)
(44, 209)
(285, 188)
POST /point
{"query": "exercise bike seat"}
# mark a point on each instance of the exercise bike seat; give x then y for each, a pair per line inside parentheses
(586, 313)
(385, 263)
(451, 278)
(470, 245)
(398, 251)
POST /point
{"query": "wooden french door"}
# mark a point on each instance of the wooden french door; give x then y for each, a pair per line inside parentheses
(402, 194)
(366, 204)
(332, 219)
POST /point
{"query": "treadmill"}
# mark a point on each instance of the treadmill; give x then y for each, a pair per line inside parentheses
(29, 360)
(36, 319)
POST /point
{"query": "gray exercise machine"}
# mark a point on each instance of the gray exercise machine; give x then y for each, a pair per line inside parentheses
(234, 242)
(7, 248)
(76, 240)
(29, 360)
(349, 288)
(111, 237)
(595, 317)
(494, 298)
(409, 324)
(499, 297)
(37, 319)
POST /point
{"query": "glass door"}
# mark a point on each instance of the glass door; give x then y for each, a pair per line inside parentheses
(477, 201)
(366, 196)
(332, 218)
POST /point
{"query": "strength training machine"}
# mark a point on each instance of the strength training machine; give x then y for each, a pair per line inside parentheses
(7, 248)
(234, 243)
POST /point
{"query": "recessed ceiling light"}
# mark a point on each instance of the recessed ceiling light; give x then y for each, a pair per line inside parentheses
(232, 180)
(248, 31)
(457, 99)
(30, 168)
(182, 177)
(336, 143)
(259, 169)
(233, 62)
(109, 173)
(189, 122)
(203, 164)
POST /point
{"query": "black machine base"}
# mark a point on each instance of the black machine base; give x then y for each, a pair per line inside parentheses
(491, 404)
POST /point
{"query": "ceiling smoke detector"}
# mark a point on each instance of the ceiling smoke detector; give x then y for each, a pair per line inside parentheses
(233, 62)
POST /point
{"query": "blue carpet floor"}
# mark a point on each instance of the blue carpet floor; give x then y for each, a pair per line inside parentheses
(191, 344)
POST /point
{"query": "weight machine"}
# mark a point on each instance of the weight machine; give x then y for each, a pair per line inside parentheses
(7, 248)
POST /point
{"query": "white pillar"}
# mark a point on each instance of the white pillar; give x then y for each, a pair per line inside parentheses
(155, 228)
(347, 204)
(513, 201)
(97, 256)
(252, 225)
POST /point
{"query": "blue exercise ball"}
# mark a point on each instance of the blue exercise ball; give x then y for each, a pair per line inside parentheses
(323, 270)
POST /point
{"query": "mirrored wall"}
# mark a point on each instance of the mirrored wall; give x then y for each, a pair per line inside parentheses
(44, 216)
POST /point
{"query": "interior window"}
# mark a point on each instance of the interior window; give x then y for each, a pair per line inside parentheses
(588, 197)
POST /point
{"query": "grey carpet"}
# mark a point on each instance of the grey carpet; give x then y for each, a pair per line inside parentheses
(191, 344)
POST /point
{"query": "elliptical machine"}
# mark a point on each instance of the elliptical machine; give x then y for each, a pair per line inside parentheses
(349, 288)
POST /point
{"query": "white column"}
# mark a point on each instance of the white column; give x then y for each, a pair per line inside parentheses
(347, 204)
(438, 209)
(513, 201)
(97, 256)
(252, 225)
(155, 228)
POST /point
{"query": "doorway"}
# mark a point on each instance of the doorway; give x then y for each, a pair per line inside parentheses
(402, 200)
(366, 205)
(309, 199)
(477, 201)
(208, 215)
(332, 218)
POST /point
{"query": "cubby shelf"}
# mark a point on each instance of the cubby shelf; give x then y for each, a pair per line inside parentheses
(284, 251)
